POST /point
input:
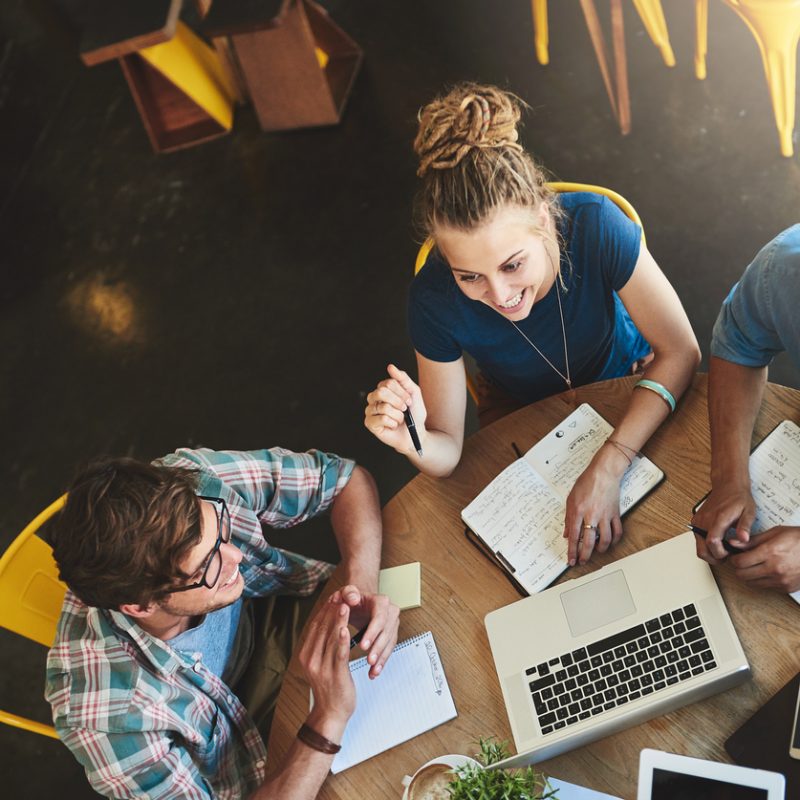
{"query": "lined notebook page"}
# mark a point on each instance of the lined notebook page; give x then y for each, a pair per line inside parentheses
(775, 480)
(521, 518)
(410, 696)
(520, 514)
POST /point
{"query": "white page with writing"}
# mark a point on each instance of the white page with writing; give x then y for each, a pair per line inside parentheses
(522, 520)
(409, 697)
(564, 453)
(775, 480)
(520, 514)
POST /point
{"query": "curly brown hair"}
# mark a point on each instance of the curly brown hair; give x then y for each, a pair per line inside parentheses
(471, 163)
(124, 531)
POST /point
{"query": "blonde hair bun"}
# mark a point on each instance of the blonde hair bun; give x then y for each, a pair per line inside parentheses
(470, 116)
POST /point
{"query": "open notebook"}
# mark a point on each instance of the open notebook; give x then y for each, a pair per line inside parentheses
(409, 697)
(520, 514)
(775, 480)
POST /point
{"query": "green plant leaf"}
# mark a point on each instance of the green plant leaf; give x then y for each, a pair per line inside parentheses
(475, 783)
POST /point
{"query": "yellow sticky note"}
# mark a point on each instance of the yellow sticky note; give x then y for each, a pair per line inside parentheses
(402, 585)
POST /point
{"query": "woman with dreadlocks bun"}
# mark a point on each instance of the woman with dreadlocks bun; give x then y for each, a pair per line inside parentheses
(546, 292)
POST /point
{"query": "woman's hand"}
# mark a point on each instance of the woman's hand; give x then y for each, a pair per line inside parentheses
(383, 416)
(592, 518)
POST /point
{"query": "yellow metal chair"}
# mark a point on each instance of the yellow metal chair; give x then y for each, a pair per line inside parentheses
(558, 187)
(650, 11)
(775, 24)
(31, 596)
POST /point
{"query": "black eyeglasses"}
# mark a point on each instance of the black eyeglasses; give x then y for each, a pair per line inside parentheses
(213, 567)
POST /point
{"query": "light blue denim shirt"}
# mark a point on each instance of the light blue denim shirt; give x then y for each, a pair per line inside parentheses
(760, 317)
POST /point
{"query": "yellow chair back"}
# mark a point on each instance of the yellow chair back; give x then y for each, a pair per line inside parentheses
(558, 187)
(775, 25)
(31, 596)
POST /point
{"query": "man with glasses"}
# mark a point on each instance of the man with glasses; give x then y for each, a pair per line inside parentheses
(758, 319)
(180, 618)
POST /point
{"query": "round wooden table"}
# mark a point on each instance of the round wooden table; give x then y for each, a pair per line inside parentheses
(459, 586)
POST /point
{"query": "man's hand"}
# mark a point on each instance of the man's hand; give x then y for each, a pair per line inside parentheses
(324, 657)
(729, 506)
(773, 560)
(381, 619)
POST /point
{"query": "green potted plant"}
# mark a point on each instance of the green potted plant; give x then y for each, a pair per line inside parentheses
(473, 782)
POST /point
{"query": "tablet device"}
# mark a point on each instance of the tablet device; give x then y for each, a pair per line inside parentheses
(665, 776)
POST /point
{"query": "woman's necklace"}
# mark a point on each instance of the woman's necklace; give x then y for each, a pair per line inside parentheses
(566, 378)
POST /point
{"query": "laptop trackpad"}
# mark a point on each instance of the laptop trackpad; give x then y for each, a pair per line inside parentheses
(597, 603)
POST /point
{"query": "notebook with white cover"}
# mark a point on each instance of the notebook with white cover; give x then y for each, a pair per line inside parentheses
(520, 514)
(409, 697)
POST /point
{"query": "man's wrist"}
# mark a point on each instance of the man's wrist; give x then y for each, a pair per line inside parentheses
(730, 477)
(365, 578)
(328, 723)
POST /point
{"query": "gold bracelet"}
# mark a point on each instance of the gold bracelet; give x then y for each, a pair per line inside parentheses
(316, 741)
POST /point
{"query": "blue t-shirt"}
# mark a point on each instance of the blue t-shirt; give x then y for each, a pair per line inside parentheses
(759, 317)
(212, 640)
(601, 246)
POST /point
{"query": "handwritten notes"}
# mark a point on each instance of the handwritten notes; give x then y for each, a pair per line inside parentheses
(775, 478)
(520, 514)
(409, 697)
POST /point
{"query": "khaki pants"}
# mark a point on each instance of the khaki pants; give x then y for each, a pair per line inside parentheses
(268, 633)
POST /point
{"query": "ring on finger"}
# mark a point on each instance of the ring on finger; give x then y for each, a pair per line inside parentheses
(590, 527)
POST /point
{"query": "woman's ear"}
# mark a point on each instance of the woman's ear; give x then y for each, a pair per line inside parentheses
(544, 218)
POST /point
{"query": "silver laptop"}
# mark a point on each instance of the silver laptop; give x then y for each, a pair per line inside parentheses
(638, 638)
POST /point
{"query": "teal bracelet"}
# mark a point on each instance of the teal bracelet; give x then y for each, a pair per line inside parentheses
(662, 391)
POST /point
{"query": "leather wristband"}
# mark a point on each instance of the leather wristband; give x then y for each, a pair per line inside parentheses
(316, 741)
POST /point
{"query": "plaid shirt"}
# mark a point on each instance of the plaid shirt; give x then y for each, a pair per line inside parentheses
(143, 720)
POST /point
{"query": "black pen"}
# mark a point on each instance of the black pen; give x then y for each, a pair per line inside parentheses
(725, 543)
(517, 451)
(412, 429)
(358, 637)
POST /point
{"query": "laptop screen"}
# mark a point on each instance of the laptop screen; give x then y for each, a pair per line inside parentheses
(678, 786)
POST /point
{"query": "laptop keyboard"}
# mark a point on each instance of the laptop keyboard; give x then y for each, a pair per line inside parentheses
(614, 671)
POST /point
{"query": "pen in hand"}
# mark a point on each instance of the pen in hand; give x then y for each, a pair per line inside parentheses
(704, 533)
(412, 429)
(356, 639)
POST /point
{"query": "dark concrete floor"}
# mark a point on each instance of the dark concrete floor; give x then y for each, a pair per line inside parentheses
(258, 282)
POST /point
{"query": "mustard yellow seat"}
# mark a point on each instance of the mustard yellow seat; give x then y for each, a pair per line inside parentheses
(775, 24)
(650, 11)
(31, 596)
(558, 187)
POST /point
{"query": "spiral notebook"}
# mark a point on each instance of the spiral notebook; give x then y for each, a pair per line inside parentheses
(519, 516)
(409, 697)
